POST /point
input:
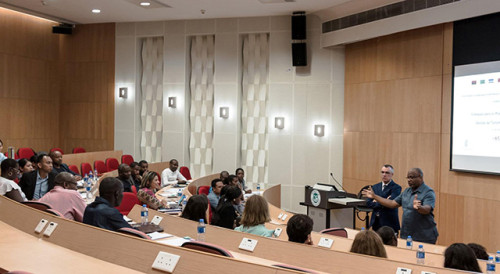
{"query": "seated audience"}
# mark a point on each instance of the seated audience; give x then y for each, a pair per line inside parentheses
(240, 173)
(34, 161)
(9, 188)
(2, 156)
(214, 195)
(136, 175)
(223, 175)
(479, 251)
(299, 228)
(149, 185)
(102, 212)
(225, 214)
(25, 166)
(38, 182)
(143, 164)
(255, 215)
(196, 208)
(460, 256)
(58, 166)
(124, 175)
(65, 198)
(388, 235)
(369, 243)
(171, 175)
(231, 180)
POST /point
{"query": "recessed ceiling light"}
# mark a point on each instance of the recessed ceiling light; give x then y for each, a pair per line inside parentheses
(145, 4)
(96, 11)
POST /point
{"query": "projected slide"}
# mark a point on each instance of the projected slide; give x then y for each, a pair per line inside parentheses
(476, 118)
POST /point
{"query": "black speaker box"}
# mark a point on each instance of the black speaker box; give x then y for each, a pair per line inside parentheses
(299, 25)
(62, 30)
(299, 54)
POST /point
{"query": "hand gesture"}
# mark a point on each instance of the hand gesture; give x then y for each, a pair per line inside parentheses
(368, 192)
(417, 204)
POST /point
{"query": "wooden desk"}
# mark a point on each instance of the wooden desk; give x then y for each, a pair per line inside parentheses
(21, 251)
(289, 253)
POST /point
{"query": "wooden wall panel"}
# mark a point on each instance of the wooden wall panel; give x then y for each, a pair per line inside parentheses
(398, 111)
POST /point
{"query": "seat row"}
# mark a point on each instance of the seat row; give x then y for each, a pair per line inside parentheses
(27, 152)
(108, 165)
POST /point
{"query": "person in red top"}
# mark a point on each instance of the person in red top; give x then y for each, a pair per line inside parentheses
(65, 198)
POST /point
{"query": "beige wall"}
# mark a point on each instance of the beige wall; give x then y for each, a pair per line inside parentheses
(55, 91)
(303, 96)
(397, 111)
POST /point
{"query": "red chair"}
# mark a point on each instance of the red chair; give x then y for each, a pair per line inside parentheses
(86, 168)
(37, 205)
(134, 232)
(100, 167)
(25, 152)
(336, 231)
(127, 159)
(79, 150)
(74, 169)
(128, 202)
(134, 190)
(204, 190)
(56, 149)
(208, 248)
(184, 170)
(112, 164)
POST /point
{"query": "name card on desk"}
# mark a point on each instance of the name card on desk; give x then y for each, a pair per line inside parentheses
(325, 242)
(41, 225)
(284, 217)
(156, 220)
(402, 270)
(248, 244)
(427, 272)
(52, 226)
(280, 215)
(277, 232)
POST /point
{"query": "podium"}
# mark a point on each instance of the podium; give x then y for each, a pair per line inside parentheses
(329, 207)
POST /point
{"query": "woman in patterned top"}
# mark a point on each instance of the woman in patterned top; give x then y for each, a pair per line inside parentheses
(149, 185)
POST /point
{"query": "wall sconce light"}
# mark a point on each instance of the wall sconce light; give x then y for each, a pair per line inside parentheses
(123, 93)
(172, 102)
(224, 112)
(319, 130)
(279, 122)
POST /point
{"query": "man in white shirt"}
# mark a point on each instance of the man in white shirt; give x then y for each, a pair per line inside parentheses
(8, 188)
(171, 175)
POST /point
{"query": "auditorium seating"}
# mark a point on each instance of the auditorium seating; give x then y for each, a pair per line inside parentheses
(56, 149)
(127, 159)
(74, 169)
(78, 150)
(128, 202)
(100, 167)
(208, 248)
(86, 168)
(184, 170)
(112, 164)
(25, 152)
(336, 231)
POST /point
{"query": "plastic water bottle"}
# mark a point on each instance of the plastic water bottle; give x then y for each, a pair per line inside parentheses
(201, 231)
(179, 193)
(363, 228)
(91, 176)
(183, 205)
(490, 266)
(144, 214)
(497, 257)
(409, 243)
(420, 255)
(88, 186)
(258, 187)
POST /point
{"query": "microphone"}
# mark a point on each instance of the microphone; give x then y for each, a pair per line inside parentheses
(331, 174)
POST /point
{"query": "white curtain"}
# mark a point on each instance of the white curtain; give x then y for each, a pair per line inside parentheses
(254, 139)
(152, 99)
(202, 105)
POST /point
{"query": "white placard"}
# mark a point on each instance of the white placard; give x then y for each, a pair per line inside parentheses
(248, 244)
(325, 242)
(402, 270)
(50, 228)
(284, 217)
(156, 220)
(280, 215)
(277, 232)
(41, 225)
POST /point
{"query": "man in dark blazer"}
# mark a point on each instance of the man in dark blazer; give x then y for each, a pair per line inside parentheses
(387, 188)
(36, 183)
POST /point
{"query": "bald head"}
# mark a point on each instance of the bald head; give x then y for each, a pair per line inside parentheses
(66, 180)
(124, 171)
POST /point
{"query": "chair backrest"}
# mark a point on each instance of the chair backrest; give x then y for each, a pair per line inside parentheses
(292, 267)
(204, 190)
(79, 150)
(100, 167)
(54, 212)
(86, 168)
(25, 152)
(128, 202)
(56, 149)
(134, 232)
(127, 159)
(192, 189)
(74, 169)
(134, 190)
(112, 164)
(208, 248)
(184, 170)
(37, 205)
(335, 231)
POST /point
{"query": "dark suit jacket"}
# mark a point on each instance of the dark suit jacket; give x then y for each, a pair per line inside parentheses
(28, 183)
(101, 214)
(386, 216)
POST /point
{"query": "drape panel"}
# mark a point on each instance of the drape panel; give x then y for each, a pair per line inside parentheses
(254, 138)
(202, 105)
(152, 99)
